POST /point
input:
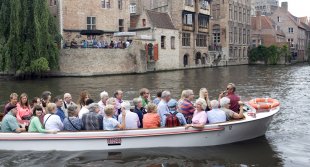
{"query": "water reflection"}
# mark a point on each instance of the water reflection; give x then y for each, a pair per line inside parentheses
(288, 134)
(255, 152)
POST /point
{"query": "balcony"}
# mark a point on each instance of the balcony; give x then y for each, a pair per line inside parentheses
(187, 27)
(215, 47)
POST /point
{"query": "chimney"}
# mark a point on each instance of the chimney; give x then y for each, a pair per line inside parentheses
(284, 5)
(258, 20)
(258, 13)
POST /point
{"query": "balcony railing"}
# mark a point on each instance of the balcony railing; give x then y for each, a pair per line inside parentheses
(215, 47)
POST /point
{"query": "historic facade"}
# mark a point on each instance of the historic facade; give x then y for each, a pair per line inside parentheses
(191, 19)
(160, 38)
(295, 31)
(266, 7)
(108, 16)
(230, 30)
(266, 32)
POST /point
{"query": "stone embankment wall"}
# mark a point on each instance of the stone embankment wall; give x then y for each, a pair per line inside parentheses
(92, 61)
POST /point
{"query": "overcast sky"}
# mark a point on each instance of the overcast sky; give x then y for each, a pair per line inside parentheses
(298, 8)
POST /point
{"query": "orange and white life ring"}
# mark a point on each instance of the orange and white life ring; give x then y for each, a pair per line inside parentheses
(264, 103)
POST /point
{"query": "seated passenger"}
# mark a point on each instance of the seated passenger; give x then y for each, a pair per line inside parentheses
(162, 107)
(9, 122)
(234, 98)
(35, 123)
(73, 123)
(200, 116)
(13, 102)
(132, 119)
(158, 97)
(37, 101)
(104, 96)
(51, 120)
(151, 119)
(23, 109)
(216, 115)
(112, 101)
(58, 101)
(109, 122)
(172, 105)
(203, 94)
(225, 105)
(186, 106)
(93, 120)
(139, 110)
(84, 109)
(145, 96)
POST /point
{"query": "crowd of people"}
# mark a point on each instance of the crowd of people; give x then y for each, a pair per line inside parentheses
(45, 115)
(93, 43)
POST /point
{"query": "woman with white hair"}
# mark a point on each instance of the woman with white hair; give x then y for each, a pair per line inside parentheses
(216, 115)
(230, 114)
(203, 94)
(51, 120)
(112, 101)
(104, 96)
(139, 110)
(200, 116)
(92, 120)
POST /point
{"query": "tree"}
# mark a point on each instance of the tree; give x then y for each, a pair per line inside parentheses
(28, 34)
(274, 55)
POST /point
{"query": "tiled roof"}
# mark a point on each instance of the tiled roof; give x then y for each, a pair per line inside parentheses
(160, 20)
(266, 23)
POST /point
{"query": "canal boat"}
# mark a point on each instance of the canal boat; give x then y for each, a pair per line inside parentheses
(254, 124)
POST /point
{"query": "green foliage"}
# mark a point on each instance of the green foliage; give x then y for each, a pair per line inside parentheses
(269, 55)
(39, 66)
(28, 33)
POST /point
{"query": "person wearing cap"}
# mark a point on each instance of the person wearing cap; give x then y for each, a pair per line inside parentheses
(92, 120)
(13, 102)
(84, 109)
(163, 107)
(172, 105)
(10, 123)
(200, 116)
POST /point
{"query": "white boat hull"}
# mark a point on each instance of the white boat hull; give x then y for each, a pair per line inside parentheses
(215, 134)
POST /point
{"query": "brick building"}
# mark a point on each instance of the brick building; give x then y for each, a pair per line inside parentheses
(109, 16)
(295, 31)
(265, 32)
(266, 7)
(230, 30)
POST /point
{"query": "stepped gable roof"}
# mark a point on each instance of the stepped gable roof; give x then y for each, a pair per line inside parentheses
(160, 20)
